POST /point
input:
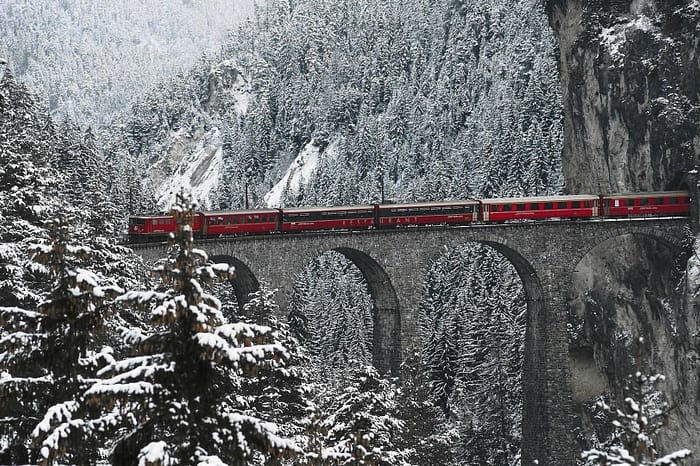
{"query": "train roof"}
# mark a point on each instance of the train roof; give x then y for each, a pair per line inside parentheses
(429, 204)
(647, 194)
(516, 200)
(239, 212)
(294, 210)
(144, 216)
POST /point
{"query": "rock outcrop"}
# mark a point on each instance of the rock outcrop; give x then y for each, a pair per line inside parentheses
(630, 74)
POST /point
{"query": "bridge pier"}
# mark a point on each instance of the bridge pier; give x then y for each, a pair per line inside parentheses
(548, 415)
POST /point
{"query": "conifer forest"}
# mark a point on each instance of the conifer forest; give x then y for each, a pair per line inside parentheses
(123, 107)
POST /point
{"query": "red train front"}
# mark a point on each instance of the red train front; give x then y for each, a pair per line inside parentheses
(157, 227)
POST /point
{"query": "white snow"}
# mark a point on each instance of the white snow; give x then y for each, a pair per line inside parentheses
(155, 453)
(693, 271)
(298, 175)
(192, 158)
(614, 38)
(197, 169)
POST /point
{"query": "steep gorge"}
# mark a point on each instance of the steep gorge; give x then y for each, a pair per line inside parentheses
(630, 77)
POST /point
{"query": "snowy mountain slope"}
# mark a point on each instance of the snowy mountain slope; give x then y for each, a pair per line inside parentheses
(193, 163)
(191, 157)
(88, 59)
(297, 176)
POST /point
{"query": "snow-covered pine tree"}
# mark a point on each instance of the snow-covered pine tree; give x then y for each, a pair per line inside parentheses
(45, 357)
(360, 425)
(636, 426)
(25, 142)
(426, 437)
(170, 401)
(276, 393)
(333, 312)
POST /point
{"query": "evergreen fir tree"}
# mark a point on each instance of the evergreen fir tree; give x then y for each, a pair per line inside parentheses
(360, 425)
(636, 425)
(171, 401)
(46, 356)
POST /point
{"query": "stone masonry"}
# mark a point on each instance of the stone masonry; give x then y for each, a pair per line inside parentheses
(394, 264)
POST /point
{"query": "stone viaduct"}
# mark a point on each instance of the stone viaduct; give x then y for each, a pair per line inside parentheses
(394, 264)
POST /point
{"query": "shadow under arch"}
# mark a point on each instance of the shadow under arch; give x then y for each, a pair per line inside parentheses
(535, 420)
(630, 291)
(386, 344)
(244, 282)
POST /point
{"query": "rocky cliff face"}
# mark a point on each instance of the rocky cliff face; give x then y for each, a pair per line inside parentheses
(630, 73)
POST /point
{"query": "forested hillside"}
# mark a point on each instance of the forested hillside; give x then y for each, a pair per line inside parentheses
(420, 100)
(389, 101)
(309, 102)
(88, 60)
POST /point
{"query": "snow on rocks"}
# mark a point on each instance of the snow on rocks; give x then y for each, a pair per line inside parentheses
(297, 176)
(615, 37)
(192, 163)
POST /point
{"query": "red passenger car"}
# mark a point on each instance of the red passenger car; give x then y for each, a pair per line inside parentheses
(157, 227)
(424, 213)
(240, 222)
(328, 218)
(535, 208)
(641, 204)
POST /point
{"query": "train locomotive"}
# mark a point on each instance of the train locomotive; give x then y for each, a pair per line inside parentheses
(144, 228)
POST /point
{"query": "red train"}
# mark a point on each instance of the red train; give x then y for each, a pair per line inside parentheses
(265, 221)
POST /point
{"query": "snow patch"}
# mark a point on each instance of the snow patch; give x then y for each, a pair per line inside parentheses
(614, 38)
(299, 173)
(196, 169)
(155, 453)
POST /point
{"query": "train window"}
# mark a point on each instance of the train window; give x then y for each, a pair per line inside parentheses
(644, 201)
(548, 205)
(575, 204)
(507, 208)
(675, 200)
(137, 221)
(629, 202)
(521, 206)
(561, 205)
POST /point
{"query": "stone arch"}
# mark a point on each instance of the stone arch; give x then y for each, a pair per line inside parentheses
(672, 242)
(386, 344)
(535, 420)
(668, 261)
(245, 281)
